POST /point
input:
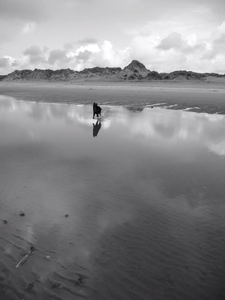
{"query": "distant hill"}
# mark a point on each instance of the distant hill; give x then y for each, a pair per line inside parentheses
(135, 71)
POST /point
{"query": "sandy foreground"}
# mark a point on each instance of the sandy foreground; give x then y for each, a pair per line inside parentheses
(202, 96)
(156, 234)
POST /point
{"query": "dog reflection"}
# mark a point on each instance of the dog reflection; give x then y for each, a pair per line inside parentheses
(96, 128)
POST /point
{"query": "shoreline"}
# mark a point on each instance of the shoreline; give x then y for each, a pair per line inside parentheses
(212, 82)
(208, 97)
(190, 86)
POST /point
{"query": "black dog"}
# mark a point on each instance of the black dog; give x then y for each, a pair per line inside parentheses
(96, 110)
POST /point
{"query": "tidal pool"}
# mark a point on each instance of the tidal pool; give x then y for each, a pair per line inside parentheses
(130, 206)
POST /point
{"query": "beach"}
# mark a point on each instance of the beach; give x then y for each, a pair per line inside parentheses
(207, 95)
(129, 206)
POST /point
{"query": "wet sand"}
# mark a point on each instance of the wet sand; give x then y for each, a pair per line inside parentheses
(201, 96)
(136, 212)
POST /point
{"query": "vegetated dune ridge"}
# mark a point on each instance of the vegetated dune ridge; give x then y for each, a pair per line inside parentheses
(135, 71)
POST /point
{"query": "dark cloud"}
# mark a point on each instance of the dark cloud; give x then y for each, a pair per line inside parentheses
(84, 55)
(33, 51)
(88, 41)
(190, 49)
(83, 42)
(220, 42)
(35, 54)
(4, 62)
(16, 63)
(22, 10)
(173, 40)
(68, 46)
(58, 55)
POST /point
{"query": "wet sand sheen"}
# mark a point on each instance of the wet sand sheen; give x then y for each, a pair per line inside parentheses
(199, 96)
(134, 213)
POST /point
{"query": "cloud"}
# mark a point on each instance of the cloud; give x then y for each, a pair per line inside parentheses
(33, 51)
(7, 62)
(173, 40)
(68, 46)
(94, 48)
(88, 41)
(220, 42)
(180, 50)
(103, 55)
(216, 47)
(4, 62)
(58, 55)
(84, 55)
(35, 55)
(29, 27)
(83, 42)
(185, 45)
(15, 63)
(163, 35)
(88, 55)
(221, 28)
(163, 51)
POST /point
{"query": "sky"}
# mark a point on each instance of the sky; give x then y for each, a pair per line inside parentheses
(164, 35)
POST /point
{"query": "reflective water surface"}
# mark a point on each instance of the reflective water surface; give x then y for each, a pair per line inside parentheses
(129, 206)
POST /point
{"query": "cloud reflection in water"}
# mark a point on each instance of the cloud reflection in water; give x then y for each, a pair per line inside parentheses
(160, 159)
(155, 123)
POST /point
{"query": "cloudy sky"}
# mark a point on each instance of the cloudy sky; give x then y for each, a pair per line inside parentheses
(165, 35)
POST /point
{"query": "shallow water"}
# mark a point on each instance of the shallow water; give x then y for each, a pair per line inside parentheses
(133, 203)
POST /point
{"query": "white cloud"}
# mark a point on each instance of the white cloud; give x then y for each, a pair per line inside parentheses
(221, 28)
(169, 50)
(191, 39)
(7, 62)
(189, 33)
(163, 51)
(101, 55)
(29, 27)
(94, 48)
